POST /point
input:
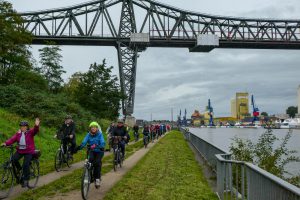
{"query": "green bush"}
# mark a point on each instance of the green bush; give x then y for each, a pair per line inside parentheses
(31, 80)
(266, 156)
(51, 108)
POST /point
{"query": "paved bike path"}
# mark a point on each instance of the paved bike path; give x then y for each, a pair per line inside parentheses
(109, 179)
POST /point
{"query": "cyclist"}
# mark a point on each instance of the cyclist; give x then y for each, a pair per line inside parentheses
(146, 132)
(136, 132)
(152, 131)
(26, 147)
(168, 127)
(119, 131)
(164, 129)
(67, 133)
(95, 139)
(157, 127)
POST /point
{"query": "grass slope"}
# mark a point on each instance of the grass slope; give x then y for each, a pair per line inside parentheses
(169, 171)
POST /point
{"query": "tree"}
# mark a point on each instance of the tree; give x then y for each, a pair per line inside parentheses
(292, 111)
(71, 88)
(264, 114)
(99, 92)
(31, 80)
(265, 155)
(51, 69)
(14, 54)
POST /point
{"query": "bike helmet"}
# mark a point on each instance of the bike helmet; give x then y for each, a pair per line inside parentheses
(24, 123)
(94, 124)
(68, 117)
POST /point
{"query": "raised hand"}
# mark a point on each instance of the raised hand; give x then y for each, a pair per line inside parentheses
(37, 121)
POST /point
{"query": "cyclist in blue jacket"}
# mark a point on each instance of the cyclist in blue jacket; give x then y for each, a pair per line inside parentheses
(96, 142)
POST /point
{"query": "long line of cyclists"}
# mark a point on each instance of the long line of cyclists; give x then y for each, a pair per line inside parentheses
(117, 135)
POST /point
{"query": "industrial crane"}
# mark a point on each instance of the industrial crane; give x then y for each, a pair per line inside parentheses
(179, 122)
(184, 118)
(210, 112)
(255, 110)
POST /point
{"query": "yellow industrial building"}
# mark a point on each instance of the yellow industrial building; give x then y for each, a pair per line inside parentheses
(240, 105)
(197, 118)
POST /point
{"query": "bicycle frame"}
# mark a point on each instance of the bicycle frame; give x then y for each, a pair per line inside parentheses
(11, 165)
(136, 136)
(118, 157)
(146, 140)
(87, 175)
(17, 174)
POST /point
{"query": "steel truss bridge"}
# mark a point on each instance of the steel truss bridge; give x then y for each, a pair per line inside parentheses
(124, 23)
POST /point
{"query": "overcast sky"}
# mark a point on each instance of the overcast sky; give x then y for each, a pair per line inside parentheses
(174, 78)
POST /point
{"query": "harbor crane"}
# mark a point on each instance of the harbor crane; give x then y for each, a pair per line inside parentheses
(255, 110)
(210, 112)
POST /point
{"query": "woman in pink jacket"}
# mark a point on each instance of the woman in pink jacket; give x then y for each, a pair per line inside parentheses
(26, 147)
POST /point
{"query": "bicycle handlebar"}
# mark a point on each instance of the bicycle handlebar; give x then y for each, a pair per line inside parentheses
(9, 146)
(62, 137)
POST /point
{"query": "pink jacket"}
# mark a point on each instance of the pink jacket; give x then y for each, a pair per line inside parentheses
(29, 138)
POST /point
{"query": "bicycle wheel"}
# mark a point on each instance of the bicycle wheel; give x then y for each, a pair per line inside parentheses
(69, 156)
(66, 158)
(115, 161)
(145, 142)
(85, 182)
(120, 159)
(6, 180)
(58, 160)
(34, 173)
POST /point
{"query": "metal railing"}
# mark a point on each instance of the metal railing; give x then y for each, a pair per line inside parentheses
(241, 180)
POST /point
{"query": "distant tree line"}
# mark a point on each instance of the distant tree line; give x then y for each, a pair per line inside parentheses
(30, 89)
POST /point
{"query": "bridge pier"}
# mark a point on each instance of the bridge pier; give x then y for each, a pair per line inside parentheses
(127, 57)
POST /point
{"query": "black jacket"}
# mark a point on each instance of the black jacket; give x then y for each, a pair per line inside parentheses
(67, 130)
(119, 131)
(136, 128)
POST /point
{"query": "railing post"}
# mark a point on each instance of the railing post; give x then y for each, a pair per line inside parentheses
(220, 179)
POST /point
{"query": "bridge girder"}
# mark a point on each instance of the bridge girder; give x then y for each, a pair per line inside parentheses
(91, 24)
(160, 21)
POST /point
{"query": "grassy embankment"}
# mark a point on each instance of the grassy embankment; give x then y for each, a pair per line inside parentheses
(169, 171)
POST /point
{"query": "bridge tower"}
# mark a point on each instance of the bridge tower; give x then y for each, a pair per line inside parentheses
(127, 57)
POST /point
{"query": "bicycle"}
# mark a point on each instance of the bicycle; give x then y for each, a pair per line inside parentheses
(118, 156)
(61, 156)
(136, 136)
(9, 172)
(87, 176)
(146, 140)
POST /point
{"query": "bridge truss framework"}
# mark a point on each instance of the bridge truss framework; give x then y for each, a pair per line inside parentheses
(92, 24)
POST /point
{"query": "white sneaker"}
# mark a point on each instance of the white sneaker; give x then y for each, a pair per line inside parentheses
(97, 183)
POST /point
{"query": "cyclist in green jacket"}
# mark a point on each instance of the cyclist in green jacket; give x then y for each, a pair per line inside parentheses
(95, 140)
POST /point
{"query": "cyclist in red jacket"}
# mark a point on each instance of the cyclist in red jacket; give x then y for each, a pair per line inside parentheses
(26, 147)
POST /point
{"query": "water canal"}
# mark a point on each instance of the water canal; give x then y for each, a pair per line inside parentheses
(222, 138)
